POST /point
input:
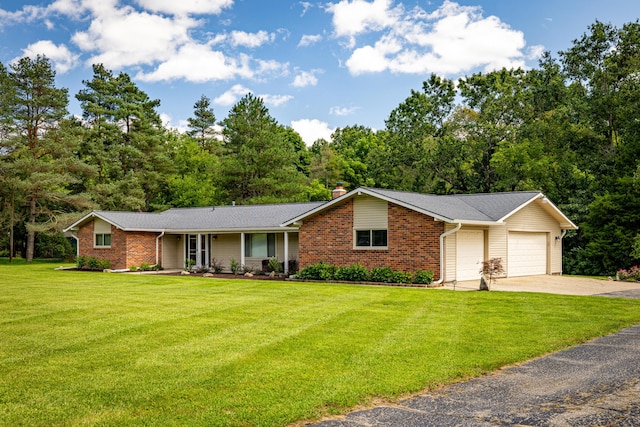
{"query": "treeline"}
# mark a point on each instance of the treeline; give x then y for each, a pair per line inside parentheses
(569, 127)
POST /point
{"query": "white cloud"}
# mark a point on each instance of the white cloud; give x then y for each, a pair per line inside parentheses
(251, 40)
(452, 39)
(353, 17)
(275, 100)
(61, 57)
(231, 96)
(309, 39)
(124, 37)
(342, 111)
(311, 130)
(185, 7)
(198, 63)
(304, 79)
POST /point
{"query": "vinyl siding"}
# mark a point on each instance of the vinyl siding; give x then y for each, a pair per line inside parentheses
(226, 247)
(101, 227)
(450, 254)
(370, 213)
(172, 253)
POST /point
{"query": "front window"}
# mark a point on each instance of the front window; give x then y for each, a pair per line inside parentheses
(103, 240)
(371, 238)
(260, 245)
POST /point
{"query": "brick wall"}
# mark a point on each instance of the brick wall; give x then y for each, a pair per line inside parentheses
(141, 248)
(413, 240)
(127, 248)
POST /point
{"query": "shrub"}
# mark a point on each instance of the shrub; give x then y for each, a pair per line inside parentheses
(401, 277)
(293, 266)
(188, 264)
(630, 275)
(352, 273)
(234, 266)
(81, 262)
(104, 264)
(216, 266)
(423, 277)
(145, 266)
(133, 268)
(320, 271)
(381, 274)
(274, 265)
(94, 264)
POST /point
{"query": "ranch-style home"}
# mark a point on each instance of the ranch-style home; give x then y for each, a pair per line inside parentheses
(450, 235)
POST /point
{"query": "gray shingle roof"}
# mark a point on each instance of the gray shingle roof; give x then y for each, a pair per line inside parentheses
(467, 207)
(219, 218)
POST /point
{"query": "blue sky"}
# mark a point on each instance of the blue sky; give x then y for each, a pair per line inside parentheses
(318, 65)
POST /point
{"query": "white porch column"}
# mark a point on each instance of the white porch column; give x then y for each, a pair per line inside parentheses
(242, 250)
(198, 249)
(286, 252)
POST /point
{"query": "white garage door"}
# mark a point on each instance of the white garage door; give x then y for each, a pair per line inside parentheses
(469, 254)
(527, 254)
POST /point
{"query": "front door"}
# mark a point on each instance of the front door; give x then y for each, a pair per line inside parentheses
(197, 250)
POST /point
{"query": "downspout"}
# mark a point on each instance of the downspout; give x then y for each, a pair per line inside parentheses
(158, 247)
(442, 236)
(75, 236)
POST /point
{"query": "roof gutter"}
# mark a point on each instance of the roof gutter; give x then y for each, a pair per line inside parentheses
(158, 247)
(442, 236)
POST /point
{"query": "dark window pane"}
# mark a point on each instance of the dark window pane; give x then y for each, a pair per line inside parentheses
(98, 239)
(247, 245)
(107, 240)
(363, 238)
(379, 237)
(271, 245)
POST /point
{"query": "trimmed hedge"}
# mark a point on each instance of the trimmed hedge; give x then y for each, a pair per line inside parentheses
(359, 273)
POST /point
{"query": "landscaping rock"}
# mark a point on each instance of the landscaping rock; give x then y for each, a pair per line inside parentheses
(248, 274)
(484, 286)
(207, 275)
(184, 273)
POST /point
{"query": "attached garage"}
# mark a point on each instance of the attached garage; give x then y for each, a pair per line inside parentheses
(527, 254)
(469, 254)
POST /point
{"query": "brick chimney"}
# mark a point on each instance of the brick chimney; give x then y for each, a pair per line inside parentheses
(338, 191)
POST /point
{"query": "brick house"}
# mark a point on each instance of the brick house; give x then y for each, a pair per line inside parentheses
(450, 235)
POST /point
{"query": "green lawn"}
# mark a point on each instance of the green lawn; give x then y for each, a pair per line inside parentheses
(81, 348)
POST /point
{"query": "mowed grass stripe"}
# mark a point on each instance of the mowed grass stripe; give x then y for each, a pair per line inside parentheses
(109, 349)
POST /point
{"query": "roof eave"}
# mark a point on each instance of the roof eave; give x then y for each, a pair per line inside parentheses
(363, 190)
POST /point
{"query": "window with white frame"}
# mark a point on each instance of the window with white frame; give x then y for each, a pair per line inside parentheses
(101, 234)
(103, 240)
(371, 238)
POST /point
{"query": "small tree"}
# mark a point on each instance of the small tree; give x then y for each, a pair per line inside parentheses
(492, 268)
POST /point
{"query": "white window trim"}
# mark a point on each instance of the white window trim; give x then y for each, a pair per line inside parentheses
(370, 247)
(95, 244)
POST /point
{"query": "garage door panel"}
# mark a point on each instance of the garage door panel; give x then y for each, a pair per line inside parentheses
(469, 254)
(527, 255)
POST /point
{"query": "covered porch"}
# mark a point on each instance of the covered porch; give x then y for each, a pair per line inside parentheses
(198, 250)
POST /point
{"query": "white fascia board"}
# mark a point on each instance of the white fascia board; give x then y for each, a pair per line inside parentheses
(230, 230)
(92, 214)
(472, 222)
